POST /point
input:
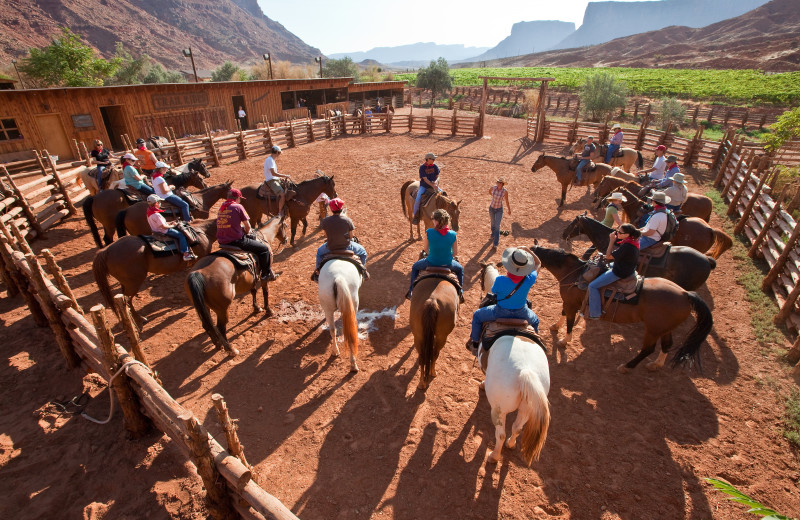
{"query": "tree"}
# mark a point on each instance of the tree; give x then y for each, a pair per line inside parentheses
(601, 95)
(157, 74)
(225, 72)
(371, 73)
(344, 68)
(785, 128)
(68, 62)
(670, 110)
(131, 70)
(435, 77)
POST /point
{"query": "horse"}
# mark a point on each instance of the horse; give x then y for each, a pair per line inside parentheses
(157, 141)
(434, 309)
(89, 179)
(629, 155)
(517, 378)
(609, 184)
(298, 207)
(695, 205)
(106, 204)
(685, 266)
(662, 306)
(129, 260)
(560, 165)
(408, 192)
(339, 282)
(133, 219)
(692, 231)
(214, 281)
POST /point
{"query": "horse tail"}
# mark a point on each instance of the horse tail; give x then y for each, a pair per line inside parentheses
(534, 432)
(689, 351)
(403, 196)
(427, 349)
(344, 302)
(100, 271)
(722, 242)
(119, 223)
(196, 287)
(639, 160)
(88, 214)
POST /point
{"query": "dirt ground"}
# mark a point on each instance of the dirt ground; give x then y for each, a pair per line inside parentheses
(331, 445)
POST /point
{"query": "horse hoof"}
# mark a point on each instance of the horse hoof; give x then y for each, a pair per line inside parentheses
(561, 345)
(622, 369)
(554, 329)
(354, 369)
(256, 310)
(494, 459)
(482, 386)
(511, 444)
(652, 367)
(232, 352)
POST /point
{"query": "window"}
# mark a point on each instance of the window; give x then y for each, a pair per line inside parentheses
(9, 130)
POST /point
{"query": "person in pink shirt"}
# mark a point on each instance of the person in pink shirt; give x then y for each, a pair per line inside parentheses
(233, 228)
(158, 224)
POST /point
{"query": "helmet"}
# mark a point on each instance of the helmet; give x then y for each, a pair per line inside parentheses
(276, 149)
(161, 164)
(336, 204)
(152, 199)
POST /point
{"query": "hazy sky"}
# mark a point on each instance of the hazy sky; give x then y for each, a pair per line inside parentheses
(360, 25)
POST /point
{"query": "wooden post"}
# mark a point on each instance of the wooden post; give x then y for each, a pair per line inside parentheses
(5, 271)
(178, 153)
(268, 141)
(694, 116)
(776, 210)
(718, 153)
(229, 426)
(788, 306)
(735, 173)
(23, 203)
(86, 154)
(482, 116)
(793, 356)
(732, 147)
(22, 244)
(211, 145)
(60, 185)
(750, 205)
(687, 161)
(124, 312)
(59, 279)
(134, 421)
(291, 134)
(541, 116)
(240, 140)
(23, 284)
(754, 162)
(776, 269)
(642, 130)
(38, 158)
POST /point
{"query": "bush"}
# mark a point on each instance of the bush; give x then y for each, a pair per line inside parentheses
(601, 95)
(225, 72)
(435, 77)
(670, 110)
(787, 127)
(344, 68)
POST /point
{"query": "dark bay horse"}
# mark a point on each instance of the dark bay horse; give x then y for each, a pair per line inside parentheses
(565, 176)
(685, 266)
(434, 309)
(215, 281)
(408, 192)
(695, 205)
(297, 208)
(106, 204)
(662, 307)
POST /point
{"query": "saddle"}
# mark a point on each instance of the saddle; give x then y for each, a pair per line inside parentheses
(240, 258)
(107, 171)
(265, 192)
(347, 255)
(131, 195)
(573, 165)
(442, 273)
(494, 330)
(655, 256)
(604, 148)
(625, 290)
(161, 245)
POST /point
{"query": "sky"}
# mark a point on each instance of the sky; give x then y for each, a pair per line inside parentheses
(360, 25)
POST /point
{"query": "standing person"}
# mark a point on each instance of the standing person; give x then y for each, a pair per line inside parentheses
(522, 268)
(499, 194)
(677, 192)
(233, 228)
(615, 143)
(272, 177)
(102, 158)
(624, 248)
(338, 233)
(132, 177)
(241, 114)
(428, 180)
(586, 156)
(441, 245)
(158, 224)
(655, 224)
(147, 159)
(164, 191)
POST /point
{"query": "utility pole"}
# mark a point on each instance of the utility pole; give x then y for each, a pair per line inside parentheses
(187, 53)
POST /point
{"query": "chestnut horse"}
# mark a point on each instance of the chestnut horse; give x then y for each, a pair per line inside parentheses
(408, 192)
(662, 307)
(695, 205)
(434, 309)
(629, 156)
(565, 176)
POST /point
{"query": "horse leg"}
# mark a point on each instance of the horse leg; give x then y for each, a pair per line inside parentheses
(563, 195)
(666, 344)
(499, 421)
(332, 328)
(648, 346)
(523, 414)
(254, 293)
(137, 318)
(305, 225)
(294, 231)
(265, 293)
(222, 326)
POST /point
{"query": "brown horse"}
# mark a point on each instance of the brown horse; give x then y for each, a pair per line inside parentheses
(629, 155)
(696, 205)
(692, 231)
(297, 208)
(129, 260)
(565, 176)
(106, 204)
(215, 281)
(408, 192)
(434, 309)
(662, 307)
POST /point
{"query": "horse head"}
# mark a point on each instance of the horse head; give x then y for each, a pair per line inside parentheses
(454, 211)
(573, 229)
(195, 180)
(540, 161)
(199, 166)
(488, 273)
(329, 188)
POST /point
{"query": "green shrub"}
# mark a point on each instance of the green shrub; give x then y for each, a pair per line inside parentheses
(602, 95)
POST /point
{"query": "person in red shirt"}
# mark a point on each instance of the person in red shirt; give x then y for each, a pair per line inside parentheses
(233, 228)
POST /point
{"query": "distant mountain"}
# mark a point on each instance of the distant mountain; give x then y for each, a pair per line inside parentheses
(528, 37)
(413, 54)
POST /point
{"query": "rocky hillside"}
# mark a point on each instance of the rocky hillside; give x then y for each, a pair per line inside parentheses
(217, 30)
(529, 36)
(412, 55)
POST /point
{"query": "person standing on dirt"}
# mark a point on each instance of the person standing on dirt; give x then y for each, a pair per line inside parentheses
(428, 180)
(272, 177)
(241, 114)
(615, 143)
(147, 159)
(499, 194)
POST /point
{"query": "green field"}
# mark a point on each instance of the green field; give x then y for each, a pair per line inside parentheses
(739, 86)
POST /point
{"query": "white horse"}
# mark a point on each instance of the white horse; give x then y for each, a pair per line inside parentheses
(517, 378)
(339, 281)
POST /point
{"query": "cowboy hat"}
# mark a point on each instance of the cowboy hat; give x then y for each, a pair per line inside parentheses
(501, 180)
(162, 164)
(617, 196)
(518, 262)
(672, 159)
(152, 199)
(616, 125)
(679, 177)
(660, 197)
(430, 156)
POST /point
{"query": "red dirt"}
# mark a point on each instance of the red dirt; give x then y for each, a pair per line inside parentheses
(333, 445)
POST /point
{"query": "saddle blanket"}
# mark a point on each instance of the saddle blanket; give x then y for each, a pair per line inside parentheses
(494, 330)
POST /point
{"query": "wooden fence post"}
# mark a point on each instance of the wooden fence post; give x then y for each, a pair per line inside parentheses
(793, 356)
(24, 285)
(211, 145)
(690, 153)
(86, 153)
(59, 279)
(240, 141)
(732, 149)
(60, 185)
(776, 269)
(291, 134)
(268, 141)
(788, 306)
(754, 163)
(229, 426)
(642, 132)
(124, 312)
(735, 173)
(776, 210)
(39, 160)
(750, 205)
(23, 203)
(178, 154)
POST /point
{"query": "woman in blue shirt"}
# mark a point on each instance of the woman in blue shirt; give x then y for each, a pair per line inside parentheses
(441, 244)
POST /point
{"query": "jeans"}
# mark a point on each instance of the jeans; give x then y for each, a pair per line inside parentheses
(419, 198)
(177, 235)
(421, 265)
(145, 190)
(611, 149)
(674, 208)
(100, 169)
(494, 312)
(181, 205)
(355, 247)
(595, 300)
(579, 170)
(260, 249)
(495, 216)
(645, 242)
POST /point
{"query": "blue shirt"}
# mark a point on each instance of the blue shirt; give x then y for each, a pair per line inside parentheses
(430, 173)
(503, 285)
(129, 173)
(440, 247)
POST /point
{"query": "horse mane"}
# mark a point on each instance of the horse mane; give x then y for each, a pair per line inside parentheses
(553, 254)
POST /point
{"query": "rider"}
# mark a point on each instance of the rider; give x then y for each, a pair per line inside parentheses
(658, 171)
(522, 268)
(272, 177)
(672, 169)
(623, 246)
(102, 158)
(233, 228)
(615, 143)
(428, 179)
(677, 192)
(441, 245)
(147, 159)
(611, 218)
(158, 224)
(164, 190)
(132, 177)
(586, 156)
(655, 224)
(337, 229)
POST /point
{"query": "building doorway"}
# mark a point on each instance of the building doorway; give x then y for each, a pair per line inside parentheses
(114, 122)
(53, 136)
(238, 102)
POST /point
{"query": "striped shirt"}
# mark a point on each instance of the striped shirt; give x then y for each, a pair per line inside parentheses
(497, 197)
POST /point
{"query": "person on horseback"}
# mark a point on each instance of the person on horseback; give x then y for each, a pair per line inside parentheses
(233, 228)
(655, 223)
(272, 177)
(499, 194)
(132, 177)
(658, 171)
(428, 180)
(102, 158)
(676, 192)
(158, 224)
(611, 218)
(672, 169)
(164, 190)
(337, 230)
(623, 247)
(522, 269)
(585, 158)
(440, 244)
(614, 143)
(147, 159)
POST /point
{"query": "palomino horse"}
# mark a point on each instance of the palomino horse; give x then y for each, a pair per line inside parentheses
(89, 179)
(517, 378)
(215, 281)
(434, 308)
(695, 205)
(105, 205)
(662, 306)
(129, 260)
(685, 266)
(133, 220)
(629, 156)
(692, 231)
(565, 176)
(298, 207)
(407, 195)
(339, 282)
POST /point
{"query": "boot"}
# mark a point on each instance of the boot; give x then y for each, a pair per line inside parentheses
(461, 296)
(408, 295)
(472, 346)
(270, 276)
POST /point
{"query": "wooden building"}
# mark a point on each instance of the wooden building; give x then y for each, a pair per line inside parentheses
(51, 118)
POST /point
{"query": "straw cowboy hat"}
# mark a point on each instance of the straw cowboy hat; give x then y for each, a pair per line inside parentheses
(679, 177)
(616, 125)
(430, 156)
(617, 196)
(502, 180)
(518, 262)
(660, 197)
